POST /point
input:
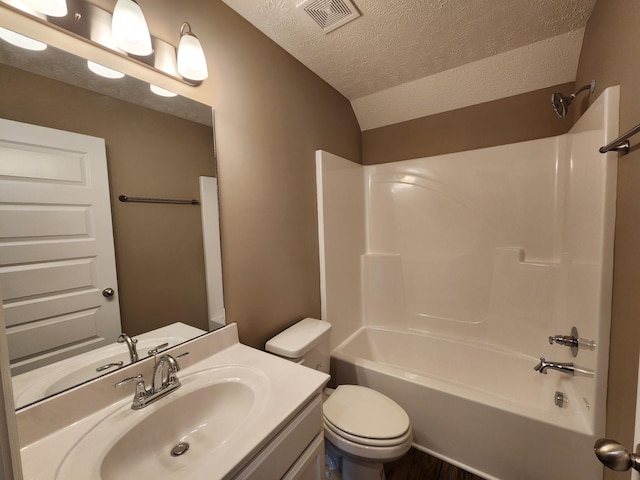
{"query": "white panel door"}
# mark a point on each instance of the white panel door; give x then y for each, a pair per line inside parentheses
(56, 244)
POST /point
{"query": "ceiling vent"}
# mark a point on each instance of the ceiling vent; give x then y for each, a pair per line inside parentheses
(330, 14)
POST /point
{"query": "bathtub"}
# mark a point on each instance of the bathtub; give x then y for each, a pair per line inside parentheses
(480, 408)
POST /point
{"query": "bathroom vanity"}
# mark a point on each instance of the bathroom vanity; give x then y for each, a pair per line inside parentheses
(239, 414)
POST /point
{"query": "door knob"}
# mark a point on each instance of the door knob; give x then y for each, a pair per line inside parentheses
(108, 292)
(615, 456)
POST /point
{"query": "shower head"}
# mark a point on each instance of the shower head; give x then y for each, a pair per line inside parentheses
(561, 103)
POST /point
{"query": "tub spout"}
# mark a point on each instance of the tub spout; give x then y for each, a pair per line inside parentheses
(568, 368)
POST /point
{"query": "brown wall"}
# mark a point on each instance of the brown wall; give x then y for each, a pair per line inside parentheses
(611, 55)
(272, 113)
(508, 120)
(159, 254)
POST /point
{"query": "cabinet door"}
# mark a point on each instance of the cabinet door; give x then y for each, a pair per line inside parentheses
(310, 465)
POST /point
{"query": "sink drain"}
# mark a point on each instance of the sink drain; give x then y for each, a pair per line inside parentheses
(180, 449)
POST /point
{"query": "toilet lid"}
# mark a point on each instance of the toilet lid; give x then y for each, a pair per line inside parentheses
(366, 413)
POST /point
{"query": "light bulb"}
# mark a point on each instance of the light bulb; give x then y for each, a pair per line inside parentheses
(129, 28)
(51, 8)
(192, 63)
(161, 91)
(21, 41)
(104, 71)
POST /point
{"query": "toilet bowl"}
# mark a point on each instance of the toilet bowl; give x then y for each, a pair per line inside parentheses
(363, 428)
(367, 429)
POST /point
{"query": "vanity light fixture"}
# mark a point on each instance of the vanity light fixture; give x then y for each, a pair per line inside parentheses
(123, 32)
(192, 63)
(104, 71)
(50, 8)
(129, 28)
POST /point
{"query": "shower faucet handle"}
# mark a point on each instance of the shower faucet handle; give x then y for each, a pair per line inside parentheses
(566, 340)
(573, 341)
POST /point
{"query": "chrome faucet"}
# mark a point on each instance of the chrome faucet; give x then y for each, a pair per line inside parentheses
(164, 381)
(131, 345)
(164, 374)
(568, 368)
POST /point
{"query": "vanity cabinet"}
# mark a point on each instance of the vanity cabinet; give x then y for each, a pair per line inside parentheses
(295, 453)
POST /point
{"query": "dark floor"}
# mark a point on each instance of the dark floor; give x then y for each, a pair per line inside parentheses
(417, 465)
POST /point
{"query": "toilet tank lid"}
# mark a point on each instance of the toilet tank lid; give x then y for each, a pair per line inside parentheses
(298, 339)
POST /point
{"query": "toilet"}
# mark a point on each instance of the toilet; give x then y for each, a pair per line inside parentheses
(363, 428)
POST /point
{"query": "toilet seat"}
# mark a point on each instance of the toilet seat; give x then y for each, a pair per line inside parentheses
(365, 413)
(366, 424)
(372, 442)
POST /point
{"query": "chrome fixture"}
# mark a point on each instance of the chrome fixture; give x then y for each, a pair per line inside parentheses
(561, 103)
(110, 365)
(164, 374)
(164, 381)
(126, 198)
(157, 348)
(123, 33)
(621, 144)
(559, 399)
(191, 62)
(573, 341)
(131, 345)
(108, 292)
(568, 368)
(615, 456)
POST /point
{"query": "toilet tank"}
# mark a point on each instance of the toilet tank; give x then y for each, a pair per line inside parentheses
(306, 342)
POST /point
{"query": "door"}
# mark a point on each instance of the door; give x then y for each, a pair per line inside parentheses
(619, 457)
(57, 258)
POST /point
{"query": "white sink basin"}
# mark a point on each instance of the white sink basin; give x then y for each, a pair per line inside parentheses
(234, 405)
(210, 413)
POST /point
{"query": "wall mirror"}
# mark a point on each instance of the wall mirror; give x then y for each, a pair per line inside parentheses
(156, 147)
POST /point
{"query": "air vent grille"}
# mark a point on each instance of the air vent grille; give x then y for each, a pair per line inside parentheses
(330, 14)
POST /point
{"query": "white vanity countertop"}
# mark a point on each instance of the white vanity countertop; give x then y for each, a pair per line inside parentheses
(290, 387)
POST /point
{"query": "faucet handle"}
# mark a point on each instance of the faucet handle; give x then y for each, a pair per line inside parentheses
(573, 341)
(181, 355)
(157, 348)
(138, 378)
(141, 390)
(123, 338)
(109, 365)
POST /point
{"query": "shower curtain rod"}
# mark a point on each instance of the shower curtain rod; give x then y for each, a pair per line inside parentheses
(621, 144)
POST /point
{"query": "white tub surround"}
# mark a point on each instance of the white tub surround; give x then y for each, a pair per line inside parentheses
(472, 260)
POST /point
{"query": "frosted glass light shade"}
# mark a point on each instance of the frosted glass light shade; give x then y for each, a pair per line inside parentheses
(192, 64)
(161, 91)
(51, 8)
(21, 41)
(129, 28)
(104, 71)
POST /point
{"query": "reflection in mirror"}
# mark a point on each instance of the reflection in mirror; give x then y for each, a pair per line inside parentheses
(61, 221)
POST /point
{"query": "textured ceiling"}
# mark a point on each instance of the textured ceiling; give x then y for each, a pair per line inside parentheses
(395, 42)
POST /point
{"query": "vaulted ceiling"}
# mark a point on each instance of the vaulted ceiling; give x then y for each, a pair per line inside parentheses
(404, 59)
